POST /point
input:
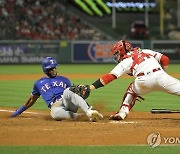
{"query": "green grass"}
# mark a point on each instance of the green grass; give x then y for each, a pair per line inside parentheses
(89, 150)
(14, 93)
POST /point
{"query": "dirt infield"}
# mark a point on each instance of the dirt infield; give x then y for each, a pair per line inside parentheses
(37, 128)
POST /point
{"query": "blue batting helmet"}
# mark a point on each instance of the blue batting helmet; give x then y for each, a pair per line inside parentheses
(48, 63)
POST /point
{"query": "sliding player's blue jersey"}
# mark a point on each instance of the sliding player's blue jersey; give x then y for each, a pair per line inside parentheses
(51, 89)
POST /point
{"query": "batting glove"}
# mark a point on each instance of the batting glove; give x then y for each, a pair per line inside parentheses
(18, 111)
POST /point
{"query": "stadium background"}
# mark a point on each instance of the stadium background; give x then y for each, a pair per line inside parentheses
(31, 30)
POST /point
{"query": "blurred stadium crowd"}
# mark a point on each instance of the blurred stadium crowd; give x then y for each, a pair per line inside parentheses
(42, 20)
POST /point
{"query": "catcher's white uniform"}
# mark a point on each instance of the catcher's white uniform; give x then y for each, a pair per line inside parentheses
(150, 76)
(149, 73)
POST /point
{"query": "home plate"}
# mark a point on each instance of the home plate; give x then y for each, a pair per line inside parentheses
(123, 122)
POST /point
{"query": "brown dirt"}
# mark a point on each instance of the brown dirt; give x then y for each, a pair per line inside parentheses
(37, 128)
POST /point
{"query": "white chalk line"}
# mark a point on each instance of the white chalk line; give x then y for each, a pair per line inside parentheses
(123, 122)
(48, 129)
(1, 110)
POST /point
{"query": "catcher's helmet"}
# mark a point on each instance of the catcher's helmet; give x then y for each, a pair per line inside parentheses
(48, 63)
(121, 48)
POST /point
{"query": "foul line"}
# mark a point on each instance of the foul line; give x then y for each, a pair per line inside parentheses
(23, 112)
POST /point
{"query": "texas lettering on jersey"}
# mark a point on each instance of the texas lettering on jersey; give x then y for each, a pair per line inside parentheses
(47, 86)
(51, 89)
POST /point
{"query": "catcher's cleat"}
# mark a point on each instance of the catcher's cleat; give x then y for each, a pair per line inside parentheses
(118, 116)
(94, 115)
(121, 115)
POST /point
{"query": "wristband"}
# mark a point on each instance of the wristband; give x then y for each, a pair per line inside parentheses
(97, 84)
(19, 111)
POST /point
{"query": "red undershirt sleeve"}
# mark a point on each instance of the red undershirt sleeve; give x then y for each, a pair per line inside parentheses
(107, 78)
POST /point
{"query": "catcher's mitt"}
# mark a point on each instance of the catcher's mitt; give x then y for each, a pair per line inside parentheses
(81, 90)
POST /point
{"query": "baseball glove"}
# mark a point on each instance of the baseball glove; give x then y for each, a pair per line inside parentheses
(81, 90)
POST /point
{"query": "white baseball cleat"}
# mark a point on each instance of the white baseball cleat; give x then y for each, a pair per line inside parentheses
(121, 115)
(94, 115)
(118, 116)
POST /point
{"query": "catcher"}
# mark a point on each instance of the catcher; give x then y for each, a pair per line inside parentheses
(149, 69)
(62, 99)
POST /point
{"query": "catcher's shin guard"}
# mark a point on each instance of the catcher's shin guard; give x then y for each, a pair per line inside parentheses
(128, 102)
(130, 97)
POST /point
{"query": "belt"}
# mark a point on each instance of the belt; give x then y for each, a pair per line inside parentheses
(57, 103)
(154, 70)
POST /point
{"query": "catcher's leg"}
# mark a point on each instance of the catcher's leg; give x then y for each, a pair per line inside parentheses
(169, 84)
(128, 102)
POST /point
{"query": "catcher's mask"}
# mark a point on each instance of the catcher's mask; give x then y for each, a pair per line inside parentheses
(48, 63)
(120, 49)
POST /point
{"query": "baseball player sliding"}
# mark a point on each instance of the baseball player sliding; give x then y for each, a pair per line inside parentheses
(149, 69)
(61, 98)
